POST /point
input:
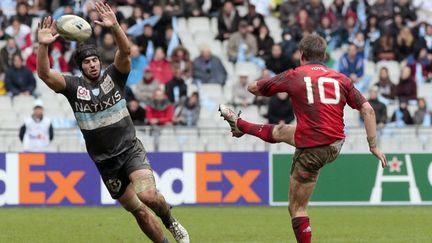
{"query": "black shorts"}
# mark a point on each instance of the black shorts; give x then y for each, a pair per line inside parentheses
(115, 171)
(311, 160)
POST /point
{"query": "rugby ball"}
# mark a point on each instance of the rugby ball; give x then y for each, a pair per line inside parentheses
(73, 28)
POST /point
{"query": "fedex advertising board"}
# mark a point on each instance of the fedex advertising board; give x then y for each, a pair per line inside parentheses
(71, 179)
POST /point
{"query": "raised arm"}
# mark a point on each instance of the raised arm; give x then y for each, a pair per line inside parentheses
(368, 115)
(122, 59)
(46, 36)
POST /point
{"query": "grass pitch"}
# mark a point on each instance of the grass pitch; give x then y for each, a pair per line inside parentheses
(220, 224)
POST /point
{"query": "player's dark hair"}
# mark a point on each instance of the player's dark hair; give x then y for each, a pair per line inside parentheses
(313, 48)
(83, 51)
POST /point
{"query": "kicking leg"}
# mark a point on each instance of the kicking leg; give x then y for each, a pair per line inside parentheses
(267, 132)
(145, 187)
(145, 219)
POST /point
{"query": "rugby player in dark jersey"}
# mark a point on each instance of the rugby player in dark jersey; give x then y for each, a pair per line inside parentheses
(98, 102)
(319, 96)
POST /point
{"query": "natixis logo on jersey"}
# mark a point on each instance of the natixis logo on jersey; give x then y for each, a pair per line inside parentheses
(83, 93)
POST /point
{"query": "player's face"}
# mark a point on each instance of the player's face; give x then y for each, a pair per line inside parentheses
(91, 67)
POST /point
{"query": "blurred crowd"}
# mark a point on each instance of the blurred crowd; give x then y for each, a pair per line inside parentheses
(163, 87)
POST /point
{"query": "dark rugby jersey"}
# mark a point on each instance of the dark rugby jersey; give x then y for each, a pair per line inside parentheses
(101, 113)
(319, 95)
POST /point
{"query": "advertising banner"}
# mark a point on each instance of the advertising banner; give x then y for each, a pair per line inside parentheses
(358, 179)
(71, 179)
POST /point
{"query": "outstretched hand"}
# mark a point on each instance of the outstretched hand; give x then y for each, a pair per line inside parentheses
(375, 151)
(46, 32)
(106, 15)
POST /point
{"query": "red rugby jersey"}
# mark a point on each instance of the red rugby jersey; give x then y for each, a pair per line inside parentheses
(319, 95)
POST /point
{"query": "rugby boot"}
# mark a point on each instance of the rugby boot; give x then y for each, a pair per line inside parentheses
(231, 117)
(179, 233)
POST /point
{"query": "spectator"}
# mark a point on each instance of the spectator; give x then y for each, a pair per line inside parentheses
(362, 45)
(176, 88)
(19, 79)
(421, 112)
(426, 40)
(162, 24)
(191, 8)
(59, 62)
(288, 12)
(316, 10)
(352, 65)
(327, 30)
(385, 48)
(160, 111)
(337, 12)
(22, 13)
(289, 43)
(171, 40)
(383, 9)
(406, 10)
(254, 20)
(242, 46)
(350, 29)
(405, 43)
(7, 53)
(137, 16)
(208, 68)
(139, 63)
(32, 58)
(372, 31)
(148, 41)
(136, 112)
(37, 131)
(143, 90)
(396, 25)
(240, 95)
(161, 67)
(407, 87)
(386, 87)
(180, 59)
(379, 107)
(264, 42)
(21, 33)
(420, 65)
(262, 101)
(277, 62)
(303, 22)
(401, 116)
(188, 111)
(228, 20)
(280, 110)
(263, 7)
(107, 50)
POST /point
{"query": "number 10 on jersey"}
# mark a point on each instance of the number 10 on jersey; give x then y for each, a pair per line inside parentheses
(321, 90)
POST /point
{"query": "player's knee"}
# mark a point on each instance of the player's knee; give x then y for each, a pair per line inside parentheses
(145, 187)
(132, 205)
(305, 176)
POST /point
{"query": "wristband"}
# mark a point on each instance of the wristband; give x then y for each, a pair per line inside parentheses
(372, 142)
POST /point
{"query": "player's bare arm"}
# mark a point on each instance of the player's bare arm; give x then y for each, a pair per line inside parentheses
(46, 34)
(368, 115)
(253, 88)
(122, 59)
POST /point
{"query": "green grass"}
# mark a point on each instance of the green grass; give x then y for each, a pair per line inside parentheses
(220, 224)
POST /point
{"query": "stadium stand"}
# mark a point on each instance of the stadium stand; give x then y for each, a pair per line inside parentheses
(212, 134)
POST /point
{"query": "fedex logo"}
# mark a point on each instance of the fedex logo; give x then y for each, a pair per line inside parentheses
(183, 178)
(29, 179)
(212, 178)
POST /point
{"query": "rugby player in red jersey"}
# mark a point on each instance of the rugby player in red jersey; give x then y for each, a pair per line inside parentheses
(319, 96)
